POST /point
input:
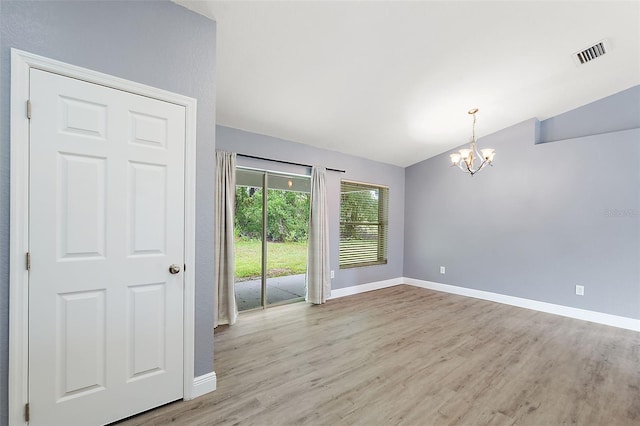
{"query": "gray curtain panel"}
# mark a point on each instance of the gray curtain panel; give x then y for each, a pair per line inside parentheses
(225, 310)
(318, 279)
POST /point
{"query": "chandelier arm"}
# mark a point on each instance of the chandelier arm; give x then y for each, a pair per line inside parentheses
(478, 154)
(474, 171)
(468, 168)
(484, 163)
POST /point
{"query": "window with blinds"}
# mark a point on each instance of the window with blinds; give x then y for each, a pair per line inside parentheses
(363, 224)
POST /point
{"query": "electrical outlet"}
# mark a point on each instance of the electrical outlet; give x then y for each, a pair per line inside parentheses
(332, 274)
(442, 269)
(580, 290)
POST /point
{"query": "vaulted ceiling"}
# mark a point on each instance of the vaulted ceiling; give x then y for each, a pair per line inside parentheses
(392, 81)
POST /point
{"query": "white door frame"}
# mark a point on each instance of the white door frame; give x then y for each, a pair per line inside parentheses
(21, 63)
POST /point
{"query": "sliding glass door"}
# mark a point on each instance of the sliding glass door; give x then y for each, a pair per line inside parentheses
(272, 222)
(249, 221)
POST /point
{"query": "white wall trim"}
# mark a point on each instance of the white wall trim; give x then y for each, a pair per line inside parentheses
(565, 311)
(356, 289)
(204, 384)
(18, 241)
(21, 63)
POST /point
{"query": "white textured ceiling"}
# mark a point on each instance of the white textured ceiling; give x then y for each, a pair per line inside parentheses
(392, 81)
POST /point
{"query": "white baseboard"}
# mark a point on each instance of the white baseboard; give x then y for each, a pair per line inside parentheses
(204, 384)
(565, 311)
(348, 291)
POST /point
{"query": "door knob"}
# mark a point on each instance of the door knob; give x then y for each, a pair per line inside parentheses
(174, 269)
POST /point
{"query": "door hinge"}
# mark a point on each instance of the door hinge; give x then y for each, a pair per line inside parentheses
(29, 109)
(27, 416)
(28, 262)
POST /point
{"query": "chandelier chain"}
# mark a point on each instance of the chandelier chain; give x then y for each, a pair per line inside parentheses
(474, 128)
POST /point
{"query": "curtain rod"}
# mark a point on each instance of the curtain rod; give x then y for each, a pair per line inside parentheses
(286, 162)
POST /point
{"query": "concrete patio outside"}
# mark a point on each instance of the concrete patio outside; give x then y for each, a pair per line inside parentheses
(279, 289)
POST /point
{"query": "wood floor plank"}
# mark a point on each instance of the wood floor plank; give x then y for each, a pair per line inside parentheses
(411, 356)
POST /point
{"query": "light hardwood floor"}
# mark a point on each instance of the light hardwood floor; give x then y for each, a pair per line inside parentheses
(411, 356)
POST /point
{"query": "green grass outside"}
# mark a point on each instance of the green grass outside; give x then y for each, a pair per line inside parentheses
(283, 259)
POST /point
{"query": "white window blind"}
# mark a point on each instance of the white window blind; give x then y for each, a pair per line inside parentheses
(363, 224)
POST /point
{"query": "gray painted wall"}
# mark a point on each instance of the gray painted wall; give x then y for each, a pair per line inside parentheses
(358, 169)
(620, 111)
(156, 43)
(545, 218)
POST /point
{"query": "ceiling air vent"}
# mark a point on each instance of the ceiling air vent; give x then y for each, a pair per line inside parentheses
(591, 52)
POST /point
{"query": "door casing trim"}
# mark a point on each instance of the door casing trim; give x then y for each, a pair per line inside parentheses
(21, 63)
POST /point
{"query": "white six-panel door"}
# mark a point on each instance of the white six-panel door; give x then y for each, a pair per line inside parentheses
(106, 222)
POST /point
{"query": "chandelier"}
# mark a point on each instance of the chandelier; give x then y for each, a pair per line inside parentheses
(466, 158)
